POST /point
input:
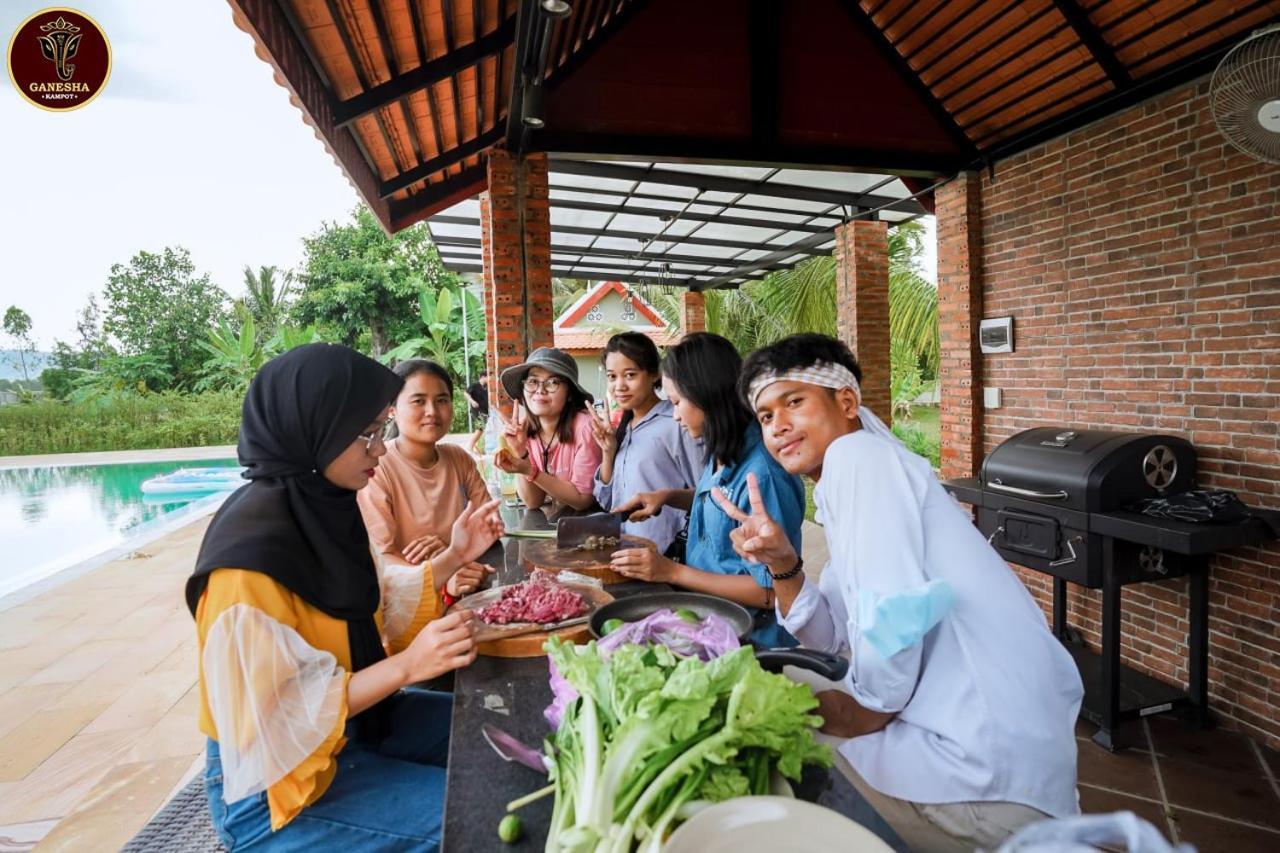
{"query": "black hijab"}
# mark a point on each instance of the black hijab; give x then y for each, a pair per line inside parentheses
(302, 410)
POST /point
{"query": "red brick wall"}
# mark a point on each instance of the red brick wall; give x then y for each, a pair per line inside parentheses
(958, 205)
(1140, 259)
(693, 312)
(862, 305)
(515, 232)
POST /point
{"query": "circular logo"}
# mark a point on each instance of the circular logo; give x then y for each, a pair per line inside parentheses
(59, 59)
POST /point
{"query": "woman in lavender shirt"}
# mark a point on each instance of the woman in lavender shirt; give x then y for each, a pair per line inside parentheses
(648, 451)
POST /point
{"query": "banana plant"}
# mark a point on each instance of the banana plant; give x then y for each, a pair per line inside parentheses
(442, 340)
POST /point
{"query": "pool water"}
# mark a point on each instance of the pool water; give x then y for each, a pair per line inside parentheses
(55, 517)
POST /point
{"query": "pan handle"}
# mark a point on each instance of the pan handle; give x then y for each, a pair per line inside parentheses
(830, 667)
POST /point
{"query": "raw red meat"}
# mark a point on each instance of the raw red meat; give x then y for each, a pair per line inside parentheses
(539, 599)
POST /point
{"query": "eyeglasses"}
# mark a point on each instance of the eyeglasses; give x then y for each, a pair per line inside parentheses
(550, 386)
(379, 434)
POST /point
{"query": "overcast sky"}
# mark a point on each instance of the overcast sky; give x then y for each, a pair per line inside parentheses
(192, 143)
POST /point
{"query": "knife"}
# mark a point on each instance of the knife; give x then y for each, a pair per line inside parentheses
(511, 748)
(573, 530)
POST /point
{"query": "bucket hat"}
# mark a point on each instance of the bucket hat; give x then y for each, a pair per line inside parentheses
(554, 361)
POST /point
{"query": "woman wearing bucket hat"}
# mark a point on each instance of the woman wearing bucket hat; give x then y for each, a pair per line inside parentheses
(549, 438)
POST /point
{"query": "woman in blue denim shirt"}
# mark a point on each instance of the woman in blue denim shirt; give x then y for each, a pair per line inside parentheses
(700, 377)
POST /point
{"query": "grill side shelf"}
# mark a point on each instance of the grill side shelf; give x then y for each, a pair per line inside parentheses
(967, 490)
(1182, 537)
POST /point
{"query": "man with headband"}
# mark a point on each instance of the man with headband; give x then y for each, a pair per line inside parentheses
(960, 707)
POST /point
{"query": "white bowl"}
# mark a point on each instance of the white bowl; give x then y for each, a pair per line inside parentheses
(770, 825)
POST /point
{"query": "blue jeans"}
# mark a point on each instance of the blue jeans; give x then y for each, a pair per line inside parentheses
(385, 796)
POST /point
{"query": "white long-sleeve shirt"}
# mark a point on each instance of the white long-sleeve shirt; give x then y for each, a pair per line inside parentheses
(986, 702)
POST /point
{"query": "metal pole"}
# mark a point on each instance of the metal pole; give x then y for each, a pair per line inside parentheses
(466, 357)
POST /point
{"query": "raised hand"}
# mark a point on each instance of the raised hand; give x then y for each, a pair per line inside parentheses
(602, 431)
(467, 579)
(516, 432)
(642, 505)
(445, 644)
(423, 548)
(758, 538)
(475, 530)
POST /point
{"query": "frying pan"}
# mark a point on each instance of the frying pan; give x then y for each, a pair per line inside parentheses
(633, 608)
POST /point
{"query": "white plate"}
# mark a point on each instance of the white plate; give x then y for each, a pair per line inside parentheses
(771, 825)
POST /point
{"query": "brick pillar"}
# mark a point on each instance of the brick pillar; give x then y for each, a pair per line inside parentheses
(862, 306)
(958, 206)
(693, 312)
(515, 238)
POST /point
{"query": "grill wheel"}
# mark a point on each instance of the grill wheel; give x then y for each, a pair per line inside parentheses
(1160, 467)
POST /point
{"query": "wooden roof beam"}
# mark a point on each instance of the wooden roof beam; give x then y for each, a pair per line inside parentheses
(425, 75)
(436, 197)
(1088, 34)
(454, 155)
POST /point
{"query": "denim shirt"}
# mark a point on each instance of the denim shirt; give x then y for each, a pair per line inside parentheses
(710, 548)
(656, 453)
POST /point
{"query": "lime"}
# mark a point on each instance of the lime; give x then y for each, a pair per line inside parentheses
(509, 829)
(688, 615)
(612, 625)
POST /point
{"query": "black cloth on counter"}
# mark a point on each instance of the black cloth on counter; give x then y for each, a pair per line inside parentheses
(1201, 506)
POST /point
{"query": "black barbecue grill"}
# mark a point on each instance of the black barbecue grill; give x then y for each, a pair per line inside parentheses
(1054, 500)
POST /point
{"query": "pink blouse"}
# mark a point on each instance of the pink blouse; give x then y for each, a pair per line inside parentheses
(575, 463)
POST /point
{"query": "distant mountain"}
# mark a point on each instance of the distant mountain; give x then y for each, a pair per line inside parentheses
(11, 366)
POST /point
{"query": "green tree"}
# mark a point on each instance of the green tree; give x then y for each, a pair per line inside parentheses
(17, 325)
(440, 336)
(360, 287)
(159, 307)
(266, 298)
(803, 299)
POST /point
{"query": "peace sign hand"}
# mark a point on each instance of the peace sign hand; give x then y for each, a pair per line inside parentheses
(603, 433)
(758, 538)
(515, 432)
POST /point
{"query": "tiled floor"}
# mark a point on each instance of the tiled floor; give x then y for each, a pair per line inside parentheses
(98, 701)
(98, 707)
(1213, 789)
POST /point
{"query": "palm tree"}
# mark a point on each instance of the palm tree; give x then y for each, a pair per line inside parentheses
(803, 298)
(266, 299)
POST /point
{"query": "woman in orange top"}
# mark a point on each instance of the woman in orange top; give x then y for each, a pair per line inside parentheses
(422, 484)
(312, 742)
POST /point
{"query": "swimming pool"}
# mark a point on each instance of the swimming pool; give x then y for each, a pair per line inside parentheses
(55, 517)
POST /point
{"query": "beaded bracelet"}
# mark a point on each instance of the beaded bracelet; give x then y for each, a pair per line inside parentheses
(795, 570)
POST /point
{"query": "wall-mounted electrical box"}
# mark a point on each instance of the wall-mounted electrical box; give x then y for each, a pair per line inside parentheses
(996, 334)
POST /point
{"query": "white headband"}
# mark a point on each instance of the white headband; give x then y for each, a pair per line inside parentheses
(824, 374)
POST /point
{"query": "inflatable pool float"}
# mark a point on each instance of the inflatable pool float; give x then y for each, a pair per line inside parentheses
(194, 481)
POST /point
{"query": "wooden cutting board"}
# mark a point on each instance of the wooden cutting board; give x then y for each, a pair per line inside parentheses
(523, 640)
(543, 554)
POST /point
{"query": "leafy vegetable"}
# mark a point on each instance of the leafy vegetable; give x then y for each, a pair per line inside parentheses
(651, 735)
(688, 615)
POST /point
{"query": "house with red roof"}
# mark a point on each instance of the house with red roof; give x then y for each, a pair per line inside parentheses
(606, 309)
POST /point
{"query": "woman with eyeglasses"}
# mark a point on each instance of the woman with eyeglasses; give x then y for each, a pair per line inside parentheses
(422, 485)
(549, 438)
(312, 742)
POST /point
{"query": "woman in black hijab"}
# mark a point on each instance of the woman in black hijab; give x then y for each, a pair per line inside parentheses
(290, 613)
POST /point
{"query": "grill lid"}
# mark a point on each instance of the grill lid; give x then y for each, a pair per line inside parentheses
(1089, 470)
